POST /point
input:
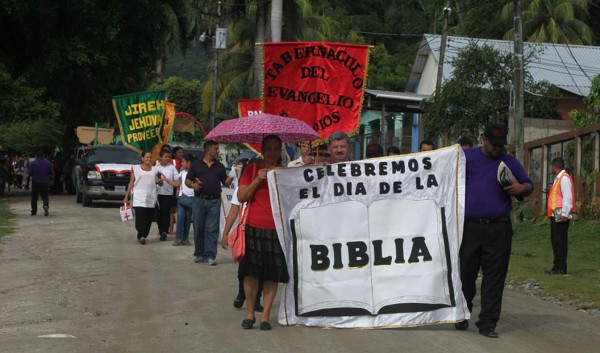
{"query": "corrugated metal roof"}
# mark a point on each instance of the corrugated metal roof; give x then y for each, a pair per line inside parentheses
(403, 96)
(569, 67)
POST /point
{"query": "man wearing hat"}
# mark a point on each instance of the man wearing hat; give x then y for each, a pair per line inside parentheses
(487, 235)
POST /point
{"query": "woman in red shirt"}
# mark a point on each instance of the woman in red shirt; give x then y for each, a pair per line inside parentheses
(264, 259)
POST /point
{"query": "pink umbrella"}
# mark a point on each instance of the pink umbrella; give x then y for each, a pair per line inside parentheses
(254, 128)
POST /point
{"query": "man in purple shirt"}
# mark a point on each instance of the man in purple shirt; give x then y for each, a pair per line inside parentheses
(41, 173)
(487, 235)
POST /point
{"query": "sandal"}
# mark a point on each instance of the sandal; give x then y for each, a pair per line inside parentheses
(248, 323)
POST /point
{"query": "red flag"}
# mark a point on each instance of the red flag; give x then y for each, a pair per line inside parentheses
(248, 107)
(321, 84)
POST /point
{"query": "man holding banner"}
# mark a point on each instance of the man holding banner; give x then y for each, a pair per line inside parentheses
(487, 236)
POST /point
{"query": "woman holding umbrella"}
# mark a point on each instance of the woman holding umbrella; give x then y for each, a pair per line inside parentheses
(264, 259)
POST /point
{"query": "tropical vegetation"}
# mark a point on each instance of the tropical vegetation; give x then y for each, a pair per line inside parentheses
(61, 62)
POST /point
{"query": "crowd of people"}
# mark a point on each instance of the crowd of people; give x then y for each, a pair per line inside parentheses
(191, 188)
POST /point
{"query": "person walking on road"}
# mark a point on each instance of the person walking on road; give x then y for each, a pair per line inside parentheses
(185, 201)
(166, 196)
(205, 177)
(41, 173)
(264, 259)
(142, 185)
(560, 207)
(487, 235)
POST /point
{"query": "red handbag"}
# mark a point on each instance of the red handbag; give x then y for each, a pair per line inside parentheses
(237, 237)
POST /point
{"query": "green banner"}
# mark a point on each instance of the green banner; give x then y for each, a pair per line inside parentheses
(141, 118)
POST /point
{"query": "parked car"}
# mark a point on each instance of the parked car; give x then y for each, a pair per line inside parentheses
(104, 173)
(196, 151)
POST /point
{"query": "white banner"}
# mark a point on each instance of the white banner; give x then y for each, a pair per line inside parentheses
(372, 243)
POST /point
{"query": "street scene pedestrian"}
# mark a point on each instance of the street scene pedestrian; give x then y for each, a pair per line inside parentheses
(41, 173)
(487, 234)
(362, 165)
(264, 260)
(185, 200)
(166, 198)
(206, 177)
(143, 193)
(561, 207)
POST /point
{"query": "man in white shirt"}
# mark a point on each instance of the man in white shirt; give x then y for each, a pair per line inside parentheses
(305, 156)
(560, 209)
(166, 197)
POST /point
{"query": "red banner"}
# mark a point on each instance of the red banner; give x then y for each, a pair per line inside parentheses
(249, 107)
(321, 84)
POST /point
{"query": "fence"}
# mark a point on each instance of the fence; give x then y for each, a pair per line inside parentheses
(580, 150)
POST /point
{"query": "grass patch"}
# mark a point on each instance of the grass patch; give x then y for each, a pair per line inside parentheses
(7, 224)
(532, 253)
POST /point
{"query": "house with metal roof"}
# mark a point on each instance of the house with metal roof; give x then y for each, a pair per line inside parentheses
(570, 68)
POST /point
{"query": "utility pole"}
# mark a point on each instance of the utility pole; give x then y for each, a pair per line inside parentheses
(519, 83)
(217, 44)
(440, 72)
(444, 40)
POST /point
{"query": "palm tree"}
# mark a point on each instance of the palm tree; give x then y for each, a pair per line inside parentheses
(240, 70)
(553, 21)
(183, 21)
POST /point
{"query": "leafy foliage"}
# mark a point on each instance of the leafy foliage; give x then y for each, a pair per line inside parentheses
(186, 94)
(478, 94)
(592, 114)
(553, 21)
(30, 135)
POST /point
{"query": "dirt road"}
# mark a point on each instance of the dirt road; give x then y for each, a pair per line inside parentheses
(80, 274)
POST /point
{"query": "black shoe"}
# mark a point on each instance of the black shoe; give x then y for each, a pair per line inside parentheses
(462, 325)
(199, 259)
(555, 272)
(33, 213)
(488, 331)
(257, 307)
(163, 236)
(239, 300)
(265, 326)
(46, 211)
(248, 323)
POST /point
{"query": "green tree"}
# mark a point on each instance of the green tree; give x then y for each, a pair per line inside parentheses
(239, 71)
(553, 21)
(28, 121)
(186, 96)
(478, 93)
(183, 25)
(591, 115)
(81, 53)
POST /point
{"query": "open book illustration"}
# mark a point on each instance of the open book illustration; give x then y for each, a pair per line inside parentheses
(354, 259)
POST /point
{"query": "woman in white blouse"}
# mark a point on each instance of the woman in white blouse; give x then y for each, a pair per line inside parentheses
(142, 184)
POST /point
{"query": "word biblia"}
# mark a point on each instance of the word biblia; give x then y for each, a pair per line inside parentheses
(358, 254)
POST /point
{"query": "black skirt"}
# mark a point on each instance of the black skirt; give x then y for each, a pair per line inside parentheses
(264, 258)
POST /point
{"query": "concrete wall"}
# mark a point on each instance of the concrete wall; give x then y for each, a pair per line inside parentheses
(539, 128)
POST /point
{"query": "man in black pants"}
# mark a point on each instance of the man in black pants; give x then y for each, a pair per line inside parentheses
(560, 207)
(41, 173)
(487, 235)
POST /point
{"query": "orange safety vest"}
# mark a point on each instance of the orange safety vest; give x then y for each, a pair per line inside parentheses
(555, 197)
